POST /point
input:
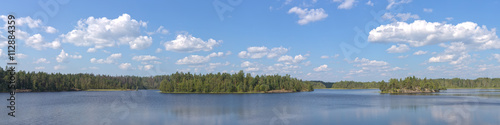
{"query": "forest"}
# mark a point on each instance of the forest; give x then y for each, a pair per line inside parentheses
(448, 83)
(180, 82)
(410, 85)
(229, 83)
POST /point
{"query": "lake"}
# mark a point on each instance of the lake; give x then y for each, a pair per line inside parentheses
(322, 106)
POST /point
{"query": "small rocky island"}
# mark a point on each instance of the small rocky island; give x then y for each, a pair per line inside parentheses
(410, 85)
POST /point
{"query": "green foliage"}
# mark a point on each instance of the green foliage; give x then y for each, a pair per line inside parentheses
(354, 85)
(226, 83)
(410, 85)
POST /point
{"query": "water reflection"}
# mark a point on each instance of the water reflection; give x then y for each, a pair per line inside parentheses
(318, 107)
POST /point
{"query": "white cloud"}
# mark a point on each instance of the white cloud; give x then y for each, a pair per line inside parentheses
(193, 60)
(21, 56)
(420, 52)
(214, 54)
(145, 58)
(188, 43)
(58, 67)
(23, 21)
(400, 48)
(41, 60)
(366, 62)
(197, 59)
(145, 67)
(39, 67)
(324, 57)
(370, 3)
(50, 29)
(403, 56)
(393, 3)
(110, 59)
(421, 32)
(162, 30)
(321, 68)
(36, 42)
(91, 50)
(336, 55)
(449, 18)
(399, 16)
(125, 66)
(259, 52)
(455, 53)
(428, 10)
(432, 68)
(104, 32)
(290, 59)
(63, 56)
(252, 69)
(246, 64)
(158, 50)
(306, 16)
(346, 4)
(442, 58)
(141, 42)
(496, 56)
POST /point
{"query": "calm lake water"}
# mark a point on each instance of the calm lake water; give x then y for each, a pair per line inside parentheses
(323, 106)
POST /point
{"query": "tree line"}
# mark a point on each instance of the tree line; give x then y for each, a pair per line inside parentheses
(410, 85)
(180, 82)
(448, 83)
(228, 83)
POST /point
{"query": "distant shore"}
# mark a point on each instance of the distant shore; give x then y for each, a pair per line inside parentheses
(271, 91)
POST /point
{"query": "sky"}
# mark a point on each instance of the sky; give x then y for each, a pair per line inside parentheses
(328, 40)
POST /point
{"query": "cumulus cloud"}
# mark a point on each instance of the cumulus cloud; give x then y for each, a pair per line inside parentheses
(428, 10)
(347, 4)
(39, 67)
(324, 57)
(193, 60)
(370, 3)
(290, 59)
(63, 56)
(21, 56)
(400, 48)
(455, 53)
(59, 67)
(246, 64)
(366, 62)
(321, 68)
(400, 16)
(393, 3)
(259, 52)
(125, 66)
(160, 30)
(103, 32)
(110, 59)
(41, 60)
(50, 29)
(197, 59)
(420, 52)
(462, 38)
(188, 43)
(496, 56)
(36, 42)
(421, 32)
(307, 16)
(145, 58)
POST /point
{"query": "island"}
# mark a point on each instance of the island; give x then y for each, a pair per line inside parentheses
(232, 83)
(410, 85)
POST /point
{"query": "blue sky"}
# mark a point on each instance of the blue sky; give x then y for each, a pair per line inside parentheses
(329, 40)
